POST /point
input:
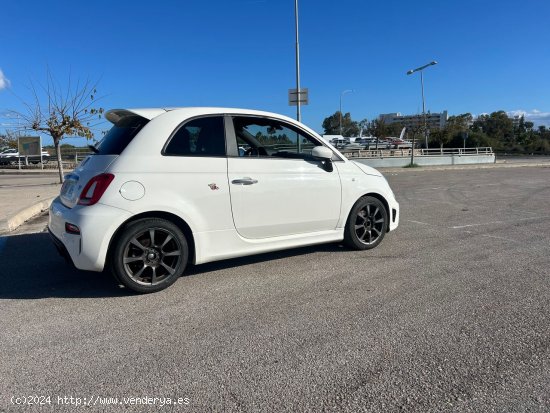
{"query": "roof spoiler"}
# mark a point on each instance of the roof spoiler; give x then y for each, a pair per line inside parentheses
(116, 115)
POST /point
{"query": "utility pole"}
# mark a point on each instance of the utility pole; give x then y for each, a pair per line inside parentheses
(298, 111)
(420, 69)
(342, 94)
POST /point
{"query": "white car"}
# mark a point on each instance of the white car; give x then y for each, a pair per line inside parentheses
(11, 156)
(168, 187)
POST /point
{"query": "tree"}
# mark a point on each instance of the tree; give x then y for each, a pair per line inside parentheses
(331, 125)
(441, 136)
(8, 139)
(61, 112)
(459, 123)
(416, 130)
(454, 130)
(378, 128)
(498, 126)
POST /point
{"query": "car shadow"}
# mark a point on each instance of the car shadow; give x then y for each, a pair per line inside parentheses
(32, 269)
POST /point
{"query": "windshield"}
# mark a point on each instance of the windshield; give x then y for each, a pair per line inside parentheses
(120, 135)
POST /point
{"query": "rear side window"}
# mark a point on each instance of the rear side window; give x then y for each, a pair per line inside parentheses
(120, 135)
(198, 137)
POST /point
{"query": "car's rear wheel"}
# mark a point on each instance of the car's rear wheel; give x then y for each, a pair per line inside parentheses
(150, 255)
(367, 224)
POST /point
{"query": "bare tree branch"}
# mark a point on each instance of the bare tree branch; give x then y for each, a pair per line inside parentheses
(70, 111)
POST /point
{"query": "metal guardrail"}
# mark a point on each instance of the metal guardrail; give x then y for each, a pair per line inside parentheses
(406, 153)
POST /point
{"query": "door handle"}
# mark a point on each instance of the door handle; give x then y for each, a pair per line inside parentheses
(244, 181)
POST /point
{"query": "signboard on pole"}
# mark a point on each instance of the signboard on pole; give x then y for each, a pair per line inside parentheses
(29, 146)
(294, 97)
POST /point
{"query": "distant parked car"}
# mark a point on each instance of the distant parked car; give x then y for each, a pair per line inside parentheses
(353, 147)
(340, 142)
(381, 144)
(365, 141)
(401, 144)
(165, 188)
(7, 156)
(11, 156)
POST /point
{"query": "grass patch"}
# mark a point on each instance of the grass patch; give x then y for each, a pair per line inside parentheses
(414, 165)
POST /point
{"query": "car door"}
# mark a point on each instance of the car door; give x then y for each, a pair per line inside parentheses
(276, 187)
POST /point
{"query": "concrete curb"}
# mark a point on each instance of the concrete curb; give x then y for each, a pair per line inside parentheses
(11, 223)
(464, 167)
(31, 172)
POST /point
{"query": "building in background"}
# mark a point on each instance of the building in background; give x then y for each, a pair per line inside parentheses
(433, 120)
(516, 119)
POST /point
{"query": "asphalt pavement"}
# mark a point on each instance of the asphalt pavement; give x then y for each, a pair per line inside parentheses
(449, 313)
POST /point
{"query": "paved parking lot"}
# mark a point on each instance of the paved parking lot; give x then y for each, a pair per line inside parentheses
(449, 313)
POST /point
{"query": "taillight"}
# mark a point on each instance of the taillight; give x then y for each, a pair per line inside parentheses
(95, 189)
(71, 228)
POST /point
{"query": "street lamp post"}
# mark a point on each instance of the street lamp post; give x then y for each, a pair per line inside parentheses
(342, 94)
(298, 112)
(420, 69)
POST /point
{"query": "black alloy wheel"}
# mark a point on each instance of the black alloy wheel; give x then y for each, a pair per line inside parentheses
(367, 224)
(150, 255)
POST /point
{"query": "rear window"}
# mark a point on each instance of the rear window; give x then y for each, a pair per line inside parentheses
(120, 135)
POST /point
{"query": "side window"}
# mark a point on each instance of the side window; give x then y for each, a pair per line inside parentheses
(198, 137)
(262, 137)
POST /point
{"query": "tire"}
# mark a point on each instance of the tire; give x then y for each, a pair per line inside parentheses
(366, 225)
(149, 255)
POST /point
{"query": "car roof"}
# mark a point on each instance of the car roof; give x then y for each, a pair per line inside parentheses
(114, 115)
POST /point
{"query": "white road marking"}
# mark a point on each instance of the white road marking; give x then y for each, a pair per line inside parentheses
(418, 222)
(479, 185)
(528, 212)
(497, 222)
(494, 236)
(477, 225)
(433, 201)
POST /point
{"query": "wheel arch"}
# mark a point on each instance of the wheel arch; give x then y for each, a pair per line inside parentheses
(175, 219)
(384, 202)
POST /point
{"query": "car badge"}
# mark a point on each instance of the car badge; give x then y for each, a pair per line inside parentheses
(213, 187)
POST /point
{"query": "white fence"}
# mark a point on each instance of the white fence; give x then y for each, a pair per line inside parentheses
(424, 157)
(406, 153)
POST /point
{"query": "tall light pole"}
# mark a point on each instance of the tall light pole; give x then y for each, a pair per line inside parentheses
(342, 94)
(420, 69)
(298, 112)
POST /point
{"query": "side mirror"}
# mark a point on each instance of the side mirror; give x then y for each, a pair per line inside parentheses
(321, 152)
(324, 154)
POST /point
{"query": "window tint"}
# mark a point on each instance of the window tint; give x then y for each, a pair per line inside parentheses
(120, 135)
(199, 137)
(269, 137)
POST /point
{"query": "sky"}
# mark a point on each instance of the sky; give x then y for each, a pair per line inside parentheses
(492, 54)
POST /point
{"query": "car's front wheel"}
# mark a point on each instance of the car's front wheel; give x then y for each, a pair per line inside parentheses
(150, 255)
(367, 224)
